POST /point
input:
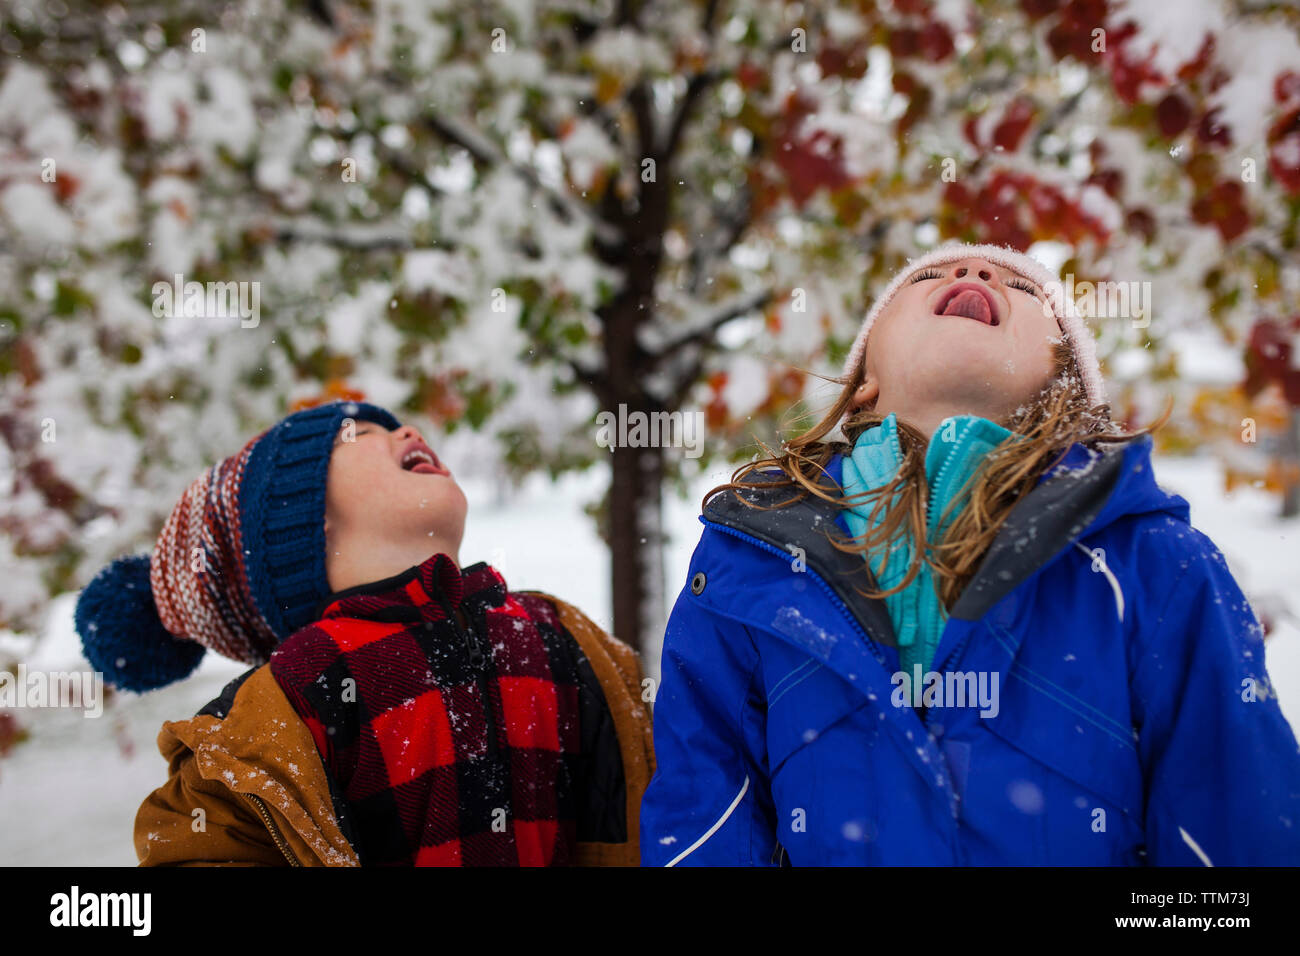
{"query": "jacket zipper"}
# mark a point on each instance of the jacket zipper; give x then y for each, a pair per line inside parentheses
(260, 806)
(826, 588)
(931, 531)
(478, 660)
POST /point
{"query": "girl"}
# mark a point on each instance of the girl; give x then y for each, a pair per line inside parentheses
(975, 631)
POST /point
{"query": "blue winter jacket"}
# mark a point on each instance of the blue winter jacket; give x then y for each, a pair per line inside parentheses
(1133, 722)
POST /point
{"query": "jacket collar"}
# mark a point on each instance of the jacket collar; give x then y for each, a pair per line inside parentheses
(429, 589)
(956, 449)
(1089, 488)
(958, 446)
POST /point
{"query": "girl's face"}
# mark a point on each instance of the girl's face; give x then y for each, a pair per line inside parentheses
(967, 337)
(387, 488)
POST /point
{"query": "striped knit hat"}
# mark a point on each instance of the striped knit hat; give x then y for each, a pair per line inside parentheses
(1067, 314)
(239, 564)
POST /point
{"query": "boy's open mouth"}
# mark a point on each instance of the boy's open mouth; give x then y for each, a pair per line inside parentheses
(419, 458)
(971, 300)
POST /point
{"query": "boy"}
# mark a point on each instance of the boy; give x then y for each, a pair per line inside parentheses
(401, 710)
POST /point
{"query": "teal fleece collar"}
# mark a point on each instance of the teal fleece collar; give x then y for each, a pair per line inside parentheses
(957, 447)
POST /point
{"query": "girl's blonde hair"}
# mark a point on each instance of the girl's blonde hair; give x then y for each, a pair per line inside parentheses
(1044, 430)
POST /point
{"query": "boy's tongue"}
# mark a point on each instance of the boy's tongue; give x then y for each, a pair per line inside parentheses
(970, 304)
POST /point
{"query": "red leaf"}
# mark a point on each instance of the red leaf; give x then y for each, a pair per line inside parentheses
(1269, 359)
(936, 42)
(1038, 9)
(1173, 115)
(1197, 64)
(1287, 86)
(1223, 207)
(811, 163)
(66, 186)
(10, 730)
(904, 42)
(1284, 151)
(1212, 130)
(1011, 129)
(1111, 180)
(749, 76)
(956, 194)
(808, 162)
(1142, 223)
(849, 63)
(1128, 74)
(1233, 224)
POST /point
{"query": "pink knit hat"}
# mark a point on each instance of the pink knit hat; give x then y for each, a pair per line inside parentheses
(1062, 306)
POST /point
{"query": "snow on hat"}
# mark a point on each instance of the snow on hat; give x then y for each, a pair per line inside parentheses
(239, 564)
(1067, 314)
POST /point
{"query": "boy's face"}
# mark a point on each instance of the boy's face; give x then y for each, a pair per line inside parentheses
(966, 334)
(388, 490)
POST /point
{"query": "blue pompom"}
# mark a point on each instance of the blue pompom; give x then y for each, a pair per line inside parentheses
(122, 635)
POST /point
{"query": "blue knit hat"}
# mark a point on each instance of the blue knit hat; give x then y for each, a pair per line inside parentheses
(238, 567)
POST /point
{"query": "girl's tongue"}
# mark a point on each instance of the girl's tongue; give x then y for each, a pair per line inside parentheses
(970, 304)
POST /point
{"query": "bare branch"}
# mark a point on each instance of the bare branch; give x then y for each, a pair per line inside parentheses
(401, 164)
(997, 84)
(1263, 8)
(358, 238)
(1054, 118)
(734, 218)
(695, 86)
(647, 136)
(704, 332)
(677, 394)
(591, 108)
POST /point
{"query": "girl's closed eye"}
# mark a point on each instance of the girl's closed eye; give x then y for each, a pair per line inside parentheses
(927, 274)
(1024, 285)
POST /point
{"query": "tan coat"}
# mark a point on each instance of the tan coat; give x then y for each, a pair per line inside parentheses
(251, 789)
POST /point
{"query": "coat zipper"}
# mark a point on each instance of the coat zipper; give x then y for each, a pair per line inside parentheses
(260, 806)
(478, 660)
(834, 598)
(930, 532)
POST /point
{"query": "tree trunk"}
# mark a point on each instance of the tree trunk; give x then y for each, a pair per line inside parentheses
(636, 545)
(634, 500)
(1291, 464)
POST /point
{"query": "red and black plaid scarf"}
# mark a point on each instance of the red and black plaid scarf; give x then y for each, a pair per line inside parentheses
(447, 711)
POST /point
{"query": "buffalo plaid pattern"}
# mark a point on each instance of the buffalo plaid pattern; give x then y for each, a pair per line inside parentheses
(447, 710)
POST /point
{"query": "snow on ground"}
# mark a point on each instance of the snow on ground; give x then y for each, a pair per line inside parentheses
(68, 795)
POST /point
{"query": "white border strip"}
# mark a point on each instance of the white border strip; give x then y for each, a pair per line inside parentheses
(713, 829)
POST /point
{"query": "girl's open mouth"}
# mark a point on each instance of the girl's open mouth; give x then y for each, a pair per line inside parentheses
(971, 300)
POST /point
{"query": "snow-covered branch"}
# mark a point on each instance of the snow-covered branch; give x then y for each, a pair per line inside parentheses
(357, 238)
(486, 153)
(704, 331)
